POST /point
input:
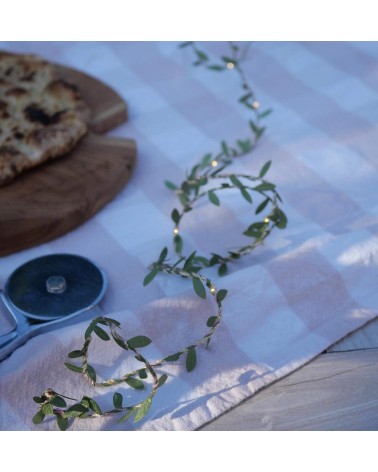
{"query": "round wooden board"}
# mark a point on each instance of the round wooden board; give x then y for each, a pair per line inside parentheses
(108, 108)
(56, 197)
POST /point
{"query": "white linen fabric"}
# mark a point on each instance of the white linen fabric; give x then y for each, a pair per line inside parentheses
(304, 289)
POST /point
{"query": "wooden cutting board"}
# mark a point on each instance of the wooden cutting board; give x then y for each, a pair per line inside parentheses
(56, 197)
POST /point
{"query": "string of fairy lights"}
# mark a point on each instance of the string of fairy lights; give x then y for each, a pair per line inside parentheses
(195, 187)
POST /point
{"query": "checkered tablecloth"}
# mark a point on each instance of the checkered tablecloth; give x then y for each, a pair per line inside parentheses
(304, 289)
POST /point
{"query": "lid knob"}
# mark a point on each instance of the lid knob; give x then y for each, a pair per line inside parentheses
(56, 284)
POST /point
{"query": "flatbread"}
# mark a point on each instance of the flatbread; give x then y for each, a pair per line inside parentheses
(41, 115)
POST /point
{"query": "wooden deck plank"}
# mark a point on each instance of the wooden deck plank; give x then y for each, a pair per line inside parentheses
(337, 391)
(363, 338)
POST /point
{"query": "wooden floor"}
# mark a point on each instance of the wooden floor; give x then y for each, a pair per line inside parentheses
(336, 391)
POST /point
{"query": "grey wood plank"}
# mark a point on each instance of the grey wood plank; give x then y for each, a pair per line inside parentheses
(336, 391)
(363, 338)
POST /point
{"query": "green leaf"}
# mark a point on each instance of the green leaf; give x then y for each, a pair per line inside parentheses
(256, 226)
(185, 44)
(38, 399)
(117, 400)
(215, 259)
(262, 206)
(183, 199)
(170, 185)
(142, 373)
(75, 410)
(127, 415)
(175, 215)
(185, 187)
(58, 402)
(207, 158)
(193, 171)
(134, 383)
(162, 380)
(255, 230)
(203, 180)
(62, 422)
(221, 295)
(264, 169)
(279, 218)
(248, 105)
(264, 187)
(38, 417)
(143, 409)
(91, 373)
(234, 255)
(74, 368)
(191, 359)
(163, 255)
(265, 113)
(253, 127)
(246, 195)
(78, 408)
(178, 241)
(150, 277)
(74, 354)
(228, 59)
(173, 357)
(88, 331)
(95, 406)
(216, 67)
(236, 181)
(47, 409)
(85, 402)
(189, 261)
(279, 197)
(245, 97)
(90, 328)
(199, 288)
(253, 233)
(108, 321)
(138, 341)
(260, 131)
(222, 270)
(101, 333)
(211, 321)
(202, 260)
(213, 198)
(225, 148)
(121, 342)
(245, 145)
(218, 170)
(202, 56)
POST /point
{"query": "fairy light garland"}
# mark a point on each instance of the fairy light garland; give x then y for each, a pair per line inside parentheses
(258, 231)
(197, 185)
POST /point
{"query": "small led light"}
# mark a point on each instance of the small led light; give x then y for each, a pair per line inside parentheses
(212, 289)
(176, 231)
(214, 163)
(266, 220)
(255, 104)
(230, 65)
